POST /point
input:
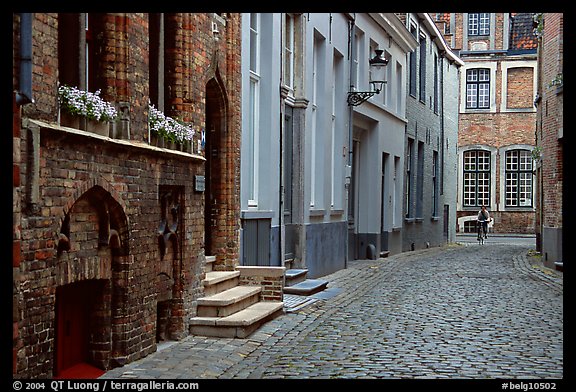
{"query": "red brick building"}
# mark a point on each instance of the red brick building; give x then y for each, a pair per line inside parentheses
(550, 136)
(497, 117)
(109, 230)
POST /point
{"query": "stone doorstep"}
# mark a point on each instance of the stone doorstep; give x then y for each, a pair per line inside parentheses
(237, 330)
(307, 287)
(294, 276)
(228, 301)
(230, 296)
(246, 317)
(218, 281)
(214, 277)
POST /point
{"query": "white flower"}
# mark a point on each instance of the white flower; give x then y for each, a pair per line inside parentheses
(167, 127)
(84, 103)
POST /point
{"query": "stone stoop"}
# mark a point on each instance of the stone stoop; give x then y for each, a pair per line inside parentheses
(231, 310)
(298, 284)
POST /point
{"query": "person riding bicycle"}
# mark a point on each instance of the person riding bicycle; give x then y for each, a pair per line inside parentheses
(484, 219)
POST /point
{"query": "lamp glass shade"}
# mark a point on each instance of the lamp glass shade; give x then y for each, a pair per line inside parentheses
(378, 70)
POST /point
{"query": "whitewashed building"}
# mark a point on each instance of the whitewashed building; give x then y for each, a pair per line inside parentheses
(321, 180)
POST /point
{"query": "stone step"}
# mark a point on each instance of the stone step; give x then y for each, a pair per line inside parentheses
(307, 287)
(294, 276)
(228, 302)
(218, 281)
(238, 325)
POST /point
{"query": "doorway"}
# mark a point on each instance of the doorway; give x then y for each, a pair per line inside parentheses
(215, 154)
(353, 203)
(76, 321)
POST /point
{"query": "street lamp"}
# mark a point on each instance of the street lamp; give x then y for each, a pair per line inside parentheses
(377, 79)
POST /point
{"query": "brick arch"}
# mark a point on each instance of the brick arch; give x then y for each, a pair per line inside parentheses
(98, 271)
(116, 210)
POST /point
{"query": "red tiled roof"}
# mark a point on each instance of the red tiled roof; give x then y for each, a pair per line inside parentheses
(522, 35)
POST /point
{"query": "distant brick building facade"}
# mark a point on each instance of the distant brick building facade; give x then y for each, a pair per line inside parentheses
(109, 231)
(550, 137)
(497, 117)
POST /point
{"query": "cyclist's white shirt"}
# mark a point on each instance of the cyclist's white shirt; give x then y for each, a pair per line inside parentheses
(483, 216)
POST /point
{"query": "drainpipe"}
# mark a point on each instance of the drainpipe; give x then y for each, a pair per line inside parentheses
(352, 74)
(281, 228)
(24, 94)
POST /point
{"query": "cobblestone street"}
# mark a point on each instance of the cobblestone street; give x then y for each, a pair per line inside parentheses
(462, 311)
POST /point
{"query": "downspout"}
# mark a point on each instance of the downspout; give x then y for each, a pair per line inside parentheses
(24, 94)
(442, 152)
(442, 123)
(351, 75)
(281, 228)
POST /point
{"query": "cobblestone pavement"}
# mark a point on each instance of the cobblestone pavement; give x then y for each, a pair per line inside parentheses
(472, 312)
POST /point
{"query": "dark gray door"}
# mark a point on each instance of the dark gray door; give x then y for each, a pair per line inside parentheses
(287, 174)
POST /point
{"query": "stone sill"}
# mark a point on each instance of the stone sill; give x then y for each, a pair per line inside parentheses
(261, 271)
(119, 142)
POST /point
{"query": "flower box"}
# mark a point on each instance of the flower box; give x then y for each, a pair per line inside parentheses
(85, 110)
(98, 127)
(174, 134)
(70, 121)
(85, 124)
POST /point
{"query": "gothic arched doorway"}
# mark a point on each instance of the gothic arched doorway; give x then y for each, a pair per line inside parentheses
(215, 170)
(93, 237)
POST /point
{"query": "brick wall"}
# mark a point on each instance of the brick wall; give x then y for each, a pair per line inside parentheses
(551, 119)
(271, 279)
(509, 121)
(425, 127)
(119, 213)
(549, 135)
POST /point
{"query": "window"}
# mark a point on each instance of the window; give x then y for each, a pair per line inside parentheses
(413, 66)
(254, 41)
(77, 66)
(420, 181)
(422, 70)
(252, 150)
(400, 92)
(289, 50)
(319, 124)
(518, 178)
(476, 178)
(435, 183)
(156, 60)
(478, 88)
(408, 196)
(435, 83)
(479, 24)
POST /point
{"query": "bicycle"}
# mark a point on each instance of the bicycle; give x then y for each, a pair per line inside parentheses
(482, 226)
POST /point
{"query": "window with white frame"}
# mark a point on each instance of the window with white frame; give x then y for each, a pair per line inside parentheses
(519, 178)
(478, 88)
(254, 115)
(289, 32)
(479, 24)
(476, 186)
(254, 42)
